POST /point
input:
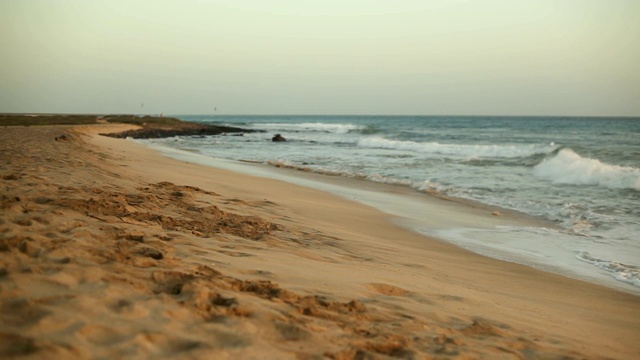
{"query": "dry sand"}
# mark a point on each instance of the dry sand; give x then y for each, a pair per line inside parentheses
(109, 250)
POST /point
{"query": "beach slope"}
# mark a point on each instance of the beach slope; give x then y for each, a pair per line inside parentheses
(108, 249)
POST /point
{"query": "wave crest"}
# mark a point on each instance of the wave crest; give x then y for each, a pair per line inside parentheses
(567, 167)
(467, 151)
(313, 127)
(621, 272)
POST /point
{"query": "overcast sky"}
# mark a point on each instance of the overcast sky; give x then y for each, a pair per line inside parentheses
(538, 57)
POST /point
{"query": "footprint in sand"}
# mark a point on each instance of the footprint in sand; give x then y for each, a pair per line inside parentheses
(234, 253)
(14, 345)
(291, 332)
(170, 282)
(388, 290)
(130, 309)
(22, 312)
(100, 335)
(167, 344)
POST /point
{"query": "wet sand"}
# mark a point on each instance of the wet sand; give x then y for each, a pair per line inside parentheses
(108, 249)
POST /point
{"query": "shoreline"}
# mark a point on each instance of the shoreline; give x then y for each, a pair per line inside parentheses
(452, 220)
(289, 269)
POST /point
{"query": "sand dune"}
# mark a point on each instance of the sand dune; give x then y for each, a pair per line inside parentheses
(109, 250)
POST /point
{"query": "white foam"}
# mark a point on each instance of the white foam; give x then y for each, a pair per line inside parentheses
(621, 272)
(388, 180)
(567, 167)
(545, 249)
(317, 127)
(466, 151)
(428, 186)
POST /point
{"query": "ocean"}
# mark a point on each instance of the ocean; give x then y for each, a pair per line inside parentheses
(580, 173)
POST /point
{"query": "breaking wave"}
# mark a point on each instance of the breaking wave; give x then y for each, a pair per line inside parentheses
(567, 167)
(312, 127)
(467, 151)
(621, 272)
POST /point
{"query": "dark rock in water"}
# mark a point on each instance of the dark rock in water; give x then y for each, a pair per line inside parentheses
(278, 137)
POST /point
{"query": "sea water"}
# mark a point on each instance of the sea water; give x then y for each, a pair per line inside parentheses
(583, 174)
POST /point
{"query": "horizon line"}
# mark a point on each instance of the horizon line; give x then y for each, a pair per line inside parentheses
(309, 114)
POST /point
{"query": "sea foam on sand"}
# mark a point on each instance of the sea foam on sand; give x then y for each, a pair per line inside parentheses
(511, 237)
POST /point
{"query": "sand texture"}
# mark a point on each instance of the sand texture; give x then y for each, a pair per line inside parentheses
(109, 250)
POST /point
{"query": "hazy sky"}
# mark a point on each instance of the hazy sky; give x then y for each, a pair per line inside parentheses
(538, 57)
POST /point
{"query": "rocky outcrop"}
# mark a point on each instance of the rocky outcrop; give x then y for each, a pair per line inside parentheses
(154, 131)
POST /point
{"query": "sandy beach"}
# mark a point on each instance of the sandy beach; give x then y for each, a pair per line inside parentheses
(110, 250)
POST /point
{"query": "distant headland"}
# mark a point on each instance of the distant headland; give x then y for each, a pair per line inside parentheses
(149, 126)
